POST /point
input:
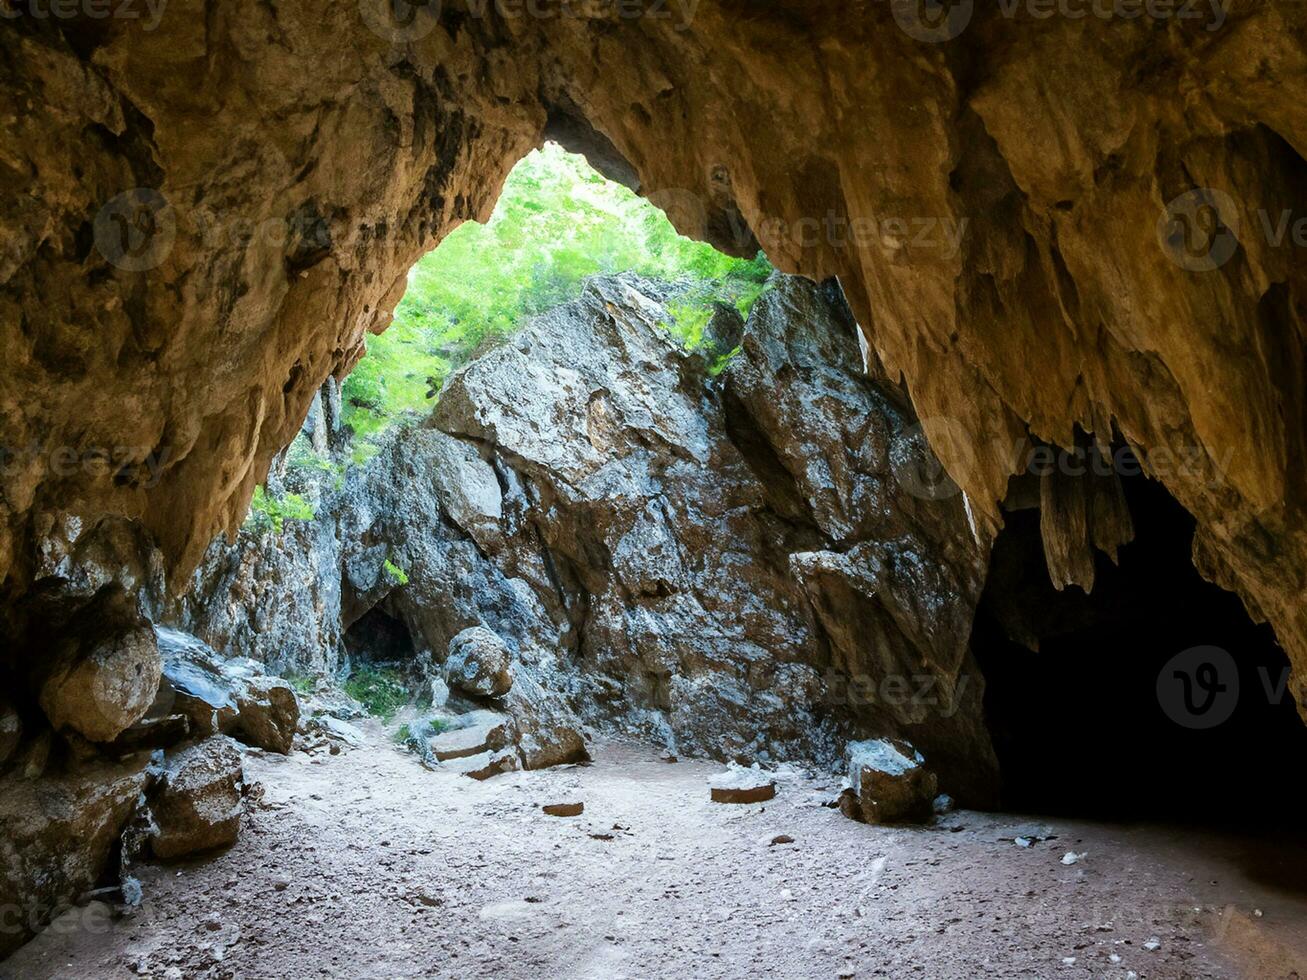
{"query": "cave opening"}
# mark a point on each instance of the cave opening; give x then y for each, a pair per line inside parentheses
(1154, 696)
(561, 220)
(377, 637)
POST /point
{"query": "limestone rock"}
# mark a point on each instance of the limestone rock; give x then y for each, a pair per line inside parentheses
(105, 673)
(267, 714)
(892, 782)
(487, 765)
(225, 695)
(59, 835)
(480, 731)
(724, 330)
(479, 663)
(199, 802)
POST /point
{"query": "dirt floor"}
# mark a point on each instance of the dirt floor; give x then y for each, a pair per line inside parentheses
(364, 865)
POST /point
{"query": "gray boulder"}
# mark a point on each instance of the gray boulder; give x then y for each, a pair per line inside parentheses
(892, 782)
(198, 804)
(227, 696)
(59, 835)
(479, 663)
(724, 330)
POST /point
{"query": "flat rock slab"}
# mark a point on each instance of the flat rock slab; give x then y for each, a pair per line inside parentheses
(487, 732)
(486, 765)
(742, 786)
(564, 809)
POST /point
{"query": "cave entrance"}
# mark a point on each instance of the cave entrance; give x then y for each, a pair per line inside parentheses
(377, 637)
(558, 223)
(1080, 724)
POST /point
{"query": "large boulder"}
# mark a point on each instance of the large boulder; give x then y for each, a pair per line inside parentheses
(892, 782)
(724, 329)
(267, 714)
(199, 802)
(105, 671)
(479, 663)
(57, 836)
(472, 734)
(228, 696)
(546, 731)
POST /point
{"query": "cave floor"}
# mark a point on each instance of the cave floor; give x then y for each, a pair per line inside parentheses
(364, 864)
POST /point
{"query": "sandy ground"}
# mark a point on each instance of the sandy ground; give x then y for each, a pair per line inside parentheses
(365, 865)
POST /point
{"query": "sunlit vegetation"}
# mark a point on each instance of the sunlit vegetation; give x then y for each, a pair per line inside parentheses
(557, 223)
(269, 514)
(380, 691)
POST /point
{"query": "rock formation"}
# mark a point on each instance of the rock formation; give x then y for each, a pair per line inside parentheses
(205, 213)
(592, 529)
(1052, 231)
(198, 805)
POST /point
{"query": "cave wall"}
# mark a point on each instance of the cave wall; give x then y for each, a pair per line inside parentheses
(994, 203)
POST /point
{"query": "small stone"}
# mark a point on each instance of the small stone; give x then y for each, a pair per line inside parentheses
(564, 809)
(782, 839)
(1071, 857)
(1153, 944)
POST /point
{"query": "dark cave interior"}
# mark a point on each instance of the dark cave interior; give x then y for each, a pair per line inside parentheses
(378, 637)
(1081, 727)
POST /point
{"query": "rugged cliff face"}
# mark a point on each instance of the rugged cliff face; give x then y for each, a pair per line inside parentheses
(1013, 202)
(741, 566)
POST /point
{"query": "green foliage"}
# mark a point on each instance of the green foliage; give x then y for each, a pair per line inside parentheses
(302, 683)
(397, 574)
(721, 363)
(380, 691)
(424, 729)
(270, 514)
(302, 456)
(557, 222)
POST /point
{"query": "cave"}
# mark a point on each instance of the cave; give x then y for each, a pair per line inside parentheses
(377, 637)
(670, 654)
(1153, 696)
